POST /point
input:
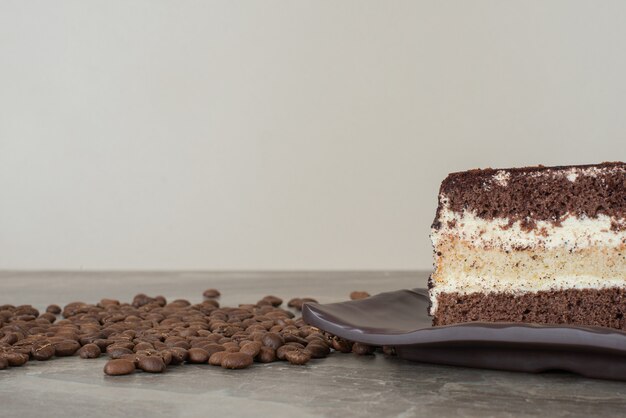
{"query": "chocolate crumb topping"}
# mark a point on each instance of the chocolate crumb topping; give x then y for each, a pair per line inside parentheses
(532, 194)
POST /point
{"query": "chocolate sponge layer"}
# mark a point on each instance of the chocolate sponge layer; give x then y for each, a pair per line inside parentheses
(594, 307)
(532, 194)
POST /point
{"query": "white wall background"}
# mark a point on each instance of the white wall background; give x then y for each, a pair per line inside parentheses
(283, 134)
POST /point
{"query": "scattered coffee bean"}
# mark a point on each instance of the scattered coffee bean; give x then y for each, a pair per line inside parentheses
(251, 348)
(389, 350)
(341, 345)
(295, 303)
(115, 351)
(298, 357)
(151, 364)
(273, 300)
(48, 317)
(10, 338)
(213, 348)
(66, 348)
(266, 355)
(317, 350)
(292, 338)
(216, 358)
(282, 351)
(43, 351)
(150, 333)
(211, 293)
(89, 351)
(362, 349)
(166, 356)
(143, 346)
(179, 355)
(16, 359)
(359, 294)
(119, 367)
(198, 355)
(141, 300)
(272, 340)
(236, 361)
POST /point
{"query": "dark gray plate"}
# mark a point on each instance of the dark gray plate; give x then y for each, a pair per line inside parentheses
(400, 319)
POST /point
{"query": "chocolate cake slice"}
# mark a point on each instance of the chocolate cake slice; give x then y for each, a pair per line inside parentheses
(536, 244)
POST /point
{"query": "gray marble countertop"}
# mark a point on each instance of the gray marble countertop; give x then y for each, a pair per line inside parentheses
(342, 385)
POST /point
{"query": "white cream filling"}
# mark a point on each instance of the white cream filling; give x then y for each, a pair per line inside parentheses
(573, 233)
(472, 284)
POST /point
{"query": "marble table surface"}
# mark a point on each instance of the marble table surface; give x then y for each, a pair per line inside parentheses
(342, 385)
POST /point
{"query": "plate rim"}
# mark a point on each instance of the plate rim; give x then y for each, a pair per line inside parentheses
(557, 336)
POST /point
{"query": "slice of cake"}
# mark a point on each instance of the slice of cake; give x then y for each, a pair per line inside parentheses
(537, 244)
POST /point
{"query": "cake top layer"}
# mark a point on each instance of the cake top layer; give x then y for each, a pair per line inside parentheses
(532, 194)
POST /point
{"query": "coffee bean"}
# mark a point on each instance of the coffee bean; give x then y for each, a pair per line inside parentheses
(155, 333)
(295, 303)
(10, 338)
(297, 345)
(236, 361)
(179, 303)
(16, 359)
(116, 351)
(4, 363)
(216, 358)
(166, 356)
(231, 347)
(389, 350)
(359, 294)
(108, 302)
(362, 349)
(179, 355)
(198, 355)
(151, 364)
(213, 348)
(50, 317)
(292, 338)
(273, 300)
(66, 348)
(266, 355)
(89, 351)
(130, 357)
(211, 293)
(22, 349)
(119, 367)
(26, 310)
(102, 343)
(297, 357)
(123, 344)
(42, 351)
(317, 350)
(141, 300)
(251, 348)
(143, 346)
(263, 302)
(341, 345)
(272, 340)
(282, 351)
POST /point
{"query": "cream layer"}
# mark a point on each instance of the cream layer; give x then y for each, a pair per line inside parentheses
(572, 233)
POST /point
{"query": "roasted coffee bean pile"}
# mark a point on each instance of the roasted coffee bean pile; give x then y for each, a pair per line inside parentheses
(151, 334)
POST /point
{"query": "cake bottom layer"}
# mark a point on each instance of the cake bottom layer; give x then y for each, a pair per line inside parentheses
(596, 307)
